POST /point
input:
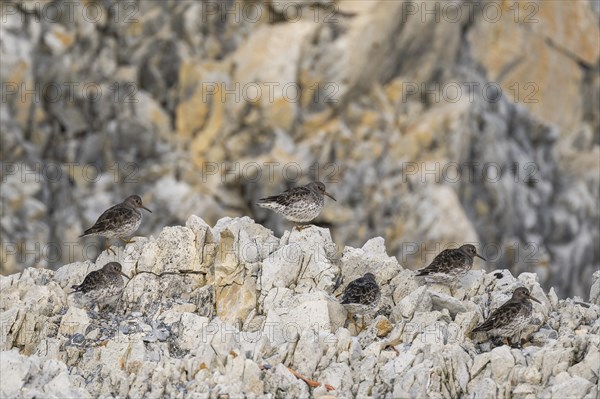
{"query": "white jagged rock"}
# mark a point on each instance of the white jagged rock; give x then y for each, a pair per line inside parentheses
(40, 377)
(226, 310)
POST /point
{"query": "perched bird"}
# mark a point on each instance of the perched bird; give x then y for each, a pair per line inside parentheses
(510, 318)
(298, 204)
(450, 265)
(361, 296)
(102, 286)
(118, 221)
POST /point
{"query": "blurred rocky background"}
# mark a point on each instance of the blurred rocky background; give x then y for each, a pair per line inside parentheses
(433, 123)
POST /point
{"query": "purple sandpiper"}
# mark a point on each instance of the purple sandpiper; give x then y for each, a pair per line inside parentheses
(450, 265)
(510, 318)
(120, 220)
(298, 204)
(102, 286)
(361, 296)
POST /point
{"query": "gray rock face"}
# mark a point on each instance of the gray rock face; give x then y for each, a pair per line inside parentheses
(430, 130)
(231, 309)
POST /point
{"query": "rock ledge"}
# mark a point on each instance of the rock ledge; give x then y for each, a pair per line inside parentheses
(230, 309)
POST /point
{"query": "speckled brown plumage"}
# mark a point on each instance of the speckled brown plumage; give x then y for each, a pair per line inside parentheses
(120, 220)
(510, 318)
(450, 265)
(361, 295)
(298, 204)
(102, 286)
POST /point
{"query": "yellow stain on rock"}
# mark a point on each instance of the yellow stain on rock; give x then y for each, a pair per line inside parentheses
(200, 114)
(280, 114)
(482, 208)
(192, 111)
(370, 119)
(65, 38)
(161, 121)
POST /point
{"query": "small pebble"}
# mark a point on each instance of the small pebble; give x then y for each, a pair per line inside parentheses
(77, 339)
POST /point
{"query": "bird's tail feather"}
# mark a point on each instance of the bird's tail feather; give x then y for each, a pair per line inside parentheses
(267, 200)
(87, 232)
(482, 327)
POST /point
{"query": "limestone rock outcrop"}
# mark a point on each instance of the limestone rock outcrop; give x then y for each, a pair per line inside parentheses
(232, 309)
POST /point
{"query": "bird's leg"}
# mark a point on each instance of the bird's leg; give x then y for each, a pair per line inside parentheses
(301, 227)
(107, 247)
(350, 316)
(118, 305)
(127, 241)
(506, 341)
(105, 311)
(453, 288)
(356, 326)
(519, 344)
(363, 324)
(93, 314)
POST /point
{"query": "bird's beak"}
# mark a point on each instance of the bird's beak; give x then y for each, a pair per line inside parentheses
(479, 256)
(146, 209)
(329, 195)
(124, 275)
(533, 299)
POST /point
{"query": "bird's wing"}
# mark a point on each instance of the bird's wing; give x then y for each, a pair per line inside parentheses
(90, 282)
(109, 217)
(288, 197)
(372, 291)
(438, 263)
(358, 290)
(500, 317)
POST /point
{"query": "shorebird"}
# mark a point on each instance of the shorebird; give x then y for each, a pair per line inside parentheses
(298, 204)
(450, 265)
(361, 296)
(510, 318)
(118, 221)
(102, 286)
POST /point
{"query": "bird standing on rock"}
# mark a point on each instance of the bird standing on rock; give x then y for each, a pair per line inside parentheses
(361, 296)
(298, 204)
(450, 265)
(102, 286)
(510, 318)
(118, 221)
